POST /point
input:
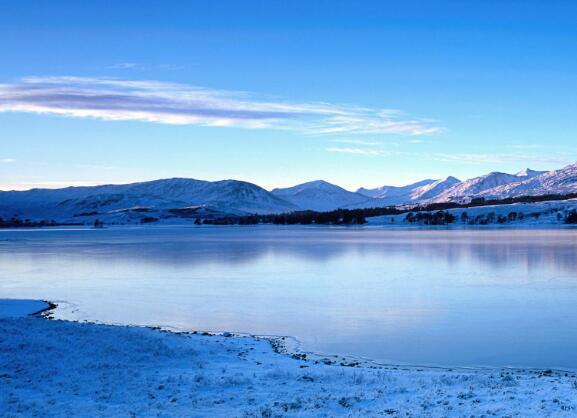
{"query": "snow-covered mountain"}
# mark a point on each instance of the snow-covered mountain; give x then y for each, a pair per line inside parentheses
(394, 192)
(432, 190)
(493, 185)
(475, 186)
(412, 193)
(527, 173)
(502, 185)
(226, 197)
(320, 195)
(179, 198)
(562, 181)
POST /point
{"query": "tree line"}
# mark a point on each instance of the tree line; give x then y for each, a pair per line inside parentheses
(418, 213)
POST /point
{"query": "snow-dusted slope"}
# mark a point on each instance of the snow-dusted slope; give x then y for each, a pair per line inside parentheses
(561, 181)
(432, 190)
(320, 195)
(394, 192)
(525, 183)
(227, 196)
(494, 185)
(475, 186)
(412, 193)
(528, 173)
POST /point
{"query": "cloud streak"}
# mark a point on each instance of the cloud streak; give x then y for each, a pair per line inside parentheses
(496, 158)
(460, 158)
(358, 151)
(180, 104)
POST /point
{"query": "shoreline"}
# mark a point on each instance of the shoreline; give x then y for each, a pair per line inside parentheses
(83, 368)
(372, 225)
(289, 345)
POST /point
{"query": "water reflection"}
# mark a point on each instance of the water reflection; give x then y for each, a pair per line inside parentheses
(553, 249)
(423, 297)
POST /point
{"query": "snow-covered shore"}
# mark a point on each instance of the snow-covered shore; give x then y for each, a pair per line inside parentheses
(549, 214)
(61, 369)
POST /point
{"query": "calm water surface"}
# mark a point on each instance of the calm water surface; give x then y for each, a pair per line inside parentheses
(464, 298)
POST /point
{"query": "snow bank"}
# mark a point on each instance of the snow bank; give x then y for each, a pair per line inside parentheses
(62, 369)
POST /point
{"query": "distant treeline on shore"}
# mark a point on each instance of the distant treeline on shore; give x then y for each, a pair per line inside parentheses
(15, 222)
(414, 213)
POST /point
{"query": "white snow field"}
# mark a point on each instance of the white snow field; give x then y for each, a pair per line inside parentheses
(53, 368)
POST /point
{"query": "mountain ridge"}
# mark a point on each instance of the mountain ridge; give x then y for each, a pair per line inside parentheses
(185, 197)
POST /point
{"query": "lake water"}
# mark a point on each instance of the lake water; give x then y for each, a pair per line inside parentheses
(428, 297)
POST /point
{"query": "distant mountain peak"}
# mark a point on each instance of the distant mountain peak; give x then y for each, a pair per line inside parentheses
(529, 173)
(309, 185)
(319, 195)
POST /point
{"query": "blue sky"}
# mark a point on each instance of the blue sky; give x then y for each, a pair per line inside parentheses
(276, 92)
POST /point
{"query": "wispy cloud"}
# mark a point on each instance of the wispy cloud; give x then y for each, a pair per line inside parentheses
(180, 104)
(96, 166)
(526, 146)
(359, 151)
(356, 142)
(496, 158)
(460, 158)
(7, 160)
(126, 66)
(139, 66)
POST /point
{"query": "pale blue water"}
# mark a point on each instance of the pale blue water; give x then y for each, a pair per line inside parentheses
(462, 298)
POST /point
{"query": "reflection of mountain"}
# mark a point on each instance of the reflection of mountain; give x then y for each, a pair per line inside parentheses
(528, 251)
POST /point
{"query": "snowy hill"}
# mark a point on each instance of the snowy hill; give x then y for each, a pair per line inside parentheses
(412, 193)
(495, 184)
(529, 173)
(544, 214)
(394, 193)
(153, 197)
(561, 181)
(431, 190)
(475, 186)
(320, 195)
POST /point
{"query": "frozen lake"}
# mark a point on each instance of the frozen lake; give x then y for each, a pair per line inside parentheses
(463, 298)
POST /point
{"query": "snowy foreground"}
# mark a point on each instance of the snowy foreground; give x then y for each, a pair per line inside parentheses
(62, 369)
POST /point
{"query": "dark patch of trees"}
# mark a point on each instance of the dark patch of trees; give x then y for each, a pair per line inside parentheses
(148, 220)
(16, 222)
(78, 215)
(335, 217)
(431, 218)
(571, 217)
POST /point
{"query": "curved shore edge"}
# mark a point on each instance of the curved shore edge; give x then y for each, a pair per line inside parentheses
(291, 346)
(17, 308)
(64, 368)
